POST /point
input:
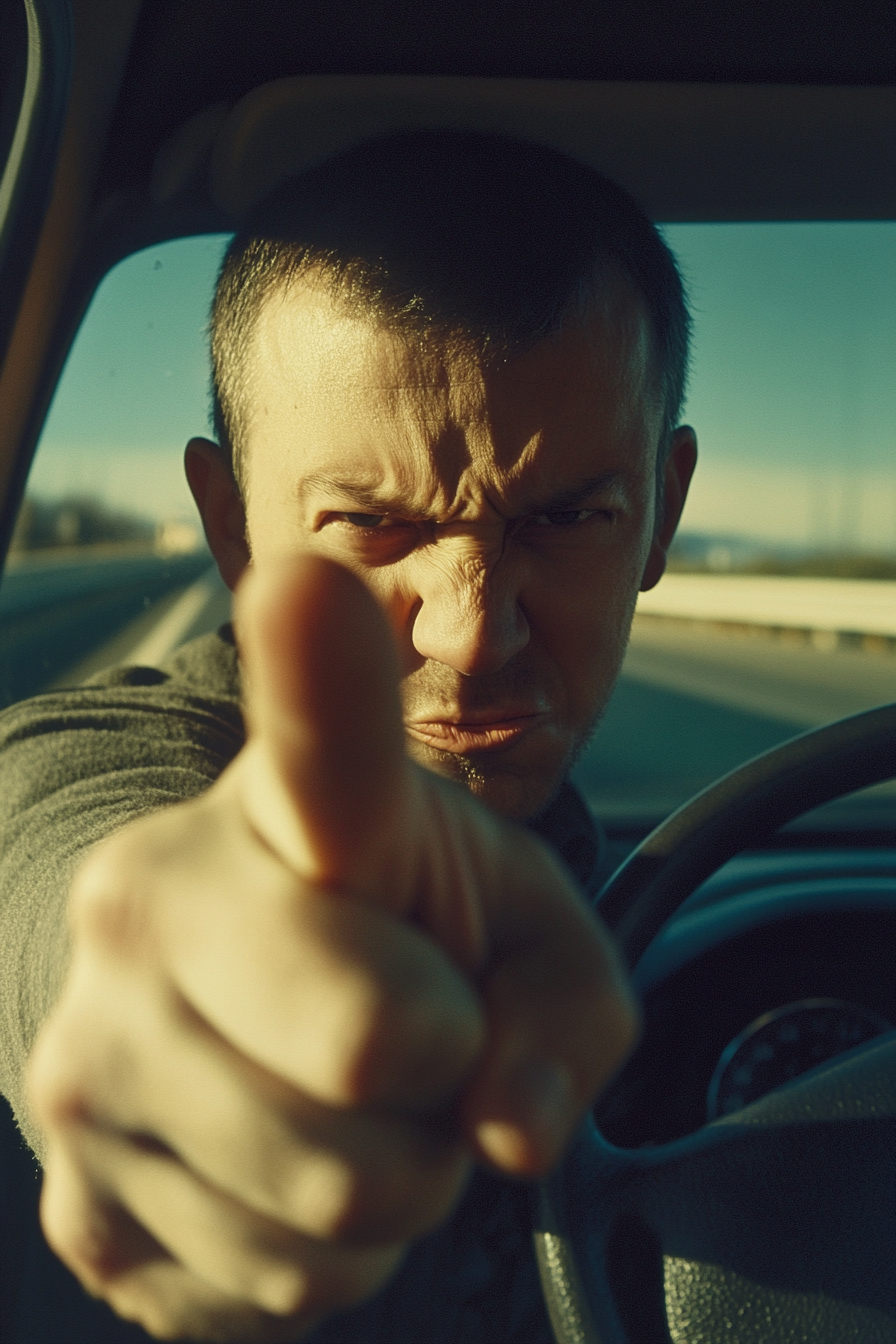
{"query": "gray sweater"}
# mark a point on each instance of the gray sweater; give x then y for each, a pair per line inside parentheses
(76, 766)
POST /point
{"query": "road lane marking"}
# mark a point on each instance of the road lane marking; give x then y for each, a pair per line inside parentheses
(165, 637)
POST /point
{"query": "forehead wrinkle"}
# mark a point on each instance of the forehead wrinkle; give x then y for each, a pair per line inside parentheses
(409, 393)
(390, 482)
(431, 424)
(449, 432)
(348, 349)
(431, 396)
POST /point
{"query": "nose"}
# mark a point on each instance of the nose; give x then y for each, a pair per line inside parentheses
(469, 616)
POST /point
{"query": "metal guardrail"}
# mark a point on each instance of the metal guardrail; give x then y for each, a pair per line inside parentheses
(823, 608)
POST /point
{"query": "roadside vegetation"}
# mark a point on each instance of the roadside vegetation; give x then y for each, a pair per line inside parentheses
(75, 521)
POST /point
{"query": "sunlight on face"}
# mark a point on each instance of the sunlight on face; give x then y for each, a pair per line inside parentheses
(502, 513)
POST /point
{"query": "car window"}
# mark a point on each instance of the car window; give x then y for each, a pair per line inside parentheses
(107, 562)
(779, 609)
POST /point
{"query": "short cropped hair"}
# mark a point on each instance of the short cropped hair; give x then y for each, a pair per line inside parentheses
(467, 235)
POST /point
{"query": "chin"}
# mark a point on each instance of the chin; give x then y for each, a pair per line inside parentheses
(516, 790)
(514, 798)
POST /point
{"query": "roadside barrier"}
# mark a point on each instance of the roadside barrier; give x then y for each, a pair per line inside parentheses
(828, 613)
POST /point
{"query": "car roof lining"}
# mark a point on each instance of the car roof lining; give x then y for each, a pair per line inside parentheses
(189, 54)
(688, 152)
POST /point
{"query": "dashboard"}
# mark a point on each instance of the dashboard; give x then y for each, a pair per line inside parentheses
(781, 960)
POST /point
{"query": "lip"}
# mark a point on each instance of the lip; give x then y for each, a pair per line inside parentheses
(487, 731)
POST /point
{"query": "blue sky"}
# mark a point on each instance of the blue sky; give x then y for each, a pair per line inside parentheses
(793, 390)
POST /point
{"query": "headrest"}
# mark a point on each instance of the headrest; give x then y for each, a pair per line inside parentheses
(688, 152)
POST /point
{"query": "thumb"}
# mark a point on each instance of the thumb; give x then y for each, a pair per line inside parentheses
(324, 776)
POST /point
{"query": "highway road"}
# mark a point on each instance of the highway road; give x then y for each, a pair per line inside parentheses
(691, 703)
(56, 616)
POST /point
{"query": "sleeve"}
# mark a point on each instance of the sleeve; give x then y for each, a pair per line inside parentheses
(74, 767)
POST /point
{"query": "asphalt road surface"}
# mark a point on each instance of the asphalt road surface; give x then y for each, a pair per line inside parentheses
(56, 619)
(691, 704)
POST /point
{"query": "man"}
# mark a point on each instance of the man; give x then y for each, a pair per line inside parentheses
(322, 1009)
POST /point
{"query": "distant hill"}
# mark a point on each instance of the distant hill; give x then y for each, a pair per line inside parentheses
(706, 552)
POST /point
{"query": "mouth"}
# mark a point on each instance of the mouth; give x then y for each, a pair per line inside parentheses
(487, 731)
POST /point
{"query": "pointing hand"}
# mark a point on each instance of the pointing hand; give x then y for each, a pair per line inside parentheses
(301, 1006)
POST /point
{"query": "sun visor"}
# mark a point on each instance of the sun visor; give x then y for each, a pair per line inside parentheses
(688, 152)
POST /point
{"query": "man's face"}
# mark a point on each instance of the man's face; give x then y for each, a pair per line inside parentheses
(503, 515)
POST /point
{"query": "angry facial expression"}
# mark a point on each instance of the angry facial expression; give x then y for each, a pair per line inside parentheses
(502, 511)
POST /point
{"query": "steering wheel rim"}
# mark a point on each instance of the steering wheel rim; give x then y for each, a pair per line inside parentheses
(747, 805)
(571, 1235)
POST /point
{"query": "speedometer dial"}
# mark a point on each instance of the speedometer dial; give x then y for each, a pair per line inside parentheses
(784, 1043)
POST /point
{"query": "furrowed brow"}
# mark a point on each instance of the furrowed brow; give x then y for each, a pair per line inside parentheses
(367, 499)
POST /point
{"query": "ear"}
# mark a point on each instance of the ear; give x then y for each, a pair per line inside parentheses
(676, 479)
(220, 506)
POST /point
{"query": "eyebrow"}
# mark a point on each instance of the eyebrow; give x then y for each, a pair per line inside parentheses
(376, 502)
(371, 499)
(577, 494)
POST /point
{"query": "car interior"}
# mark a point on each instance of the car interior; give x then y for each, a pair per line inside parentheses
(737, 1181)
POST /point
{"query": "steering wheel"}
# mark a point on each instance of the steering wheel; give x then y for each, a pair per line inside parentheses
(775, 1224)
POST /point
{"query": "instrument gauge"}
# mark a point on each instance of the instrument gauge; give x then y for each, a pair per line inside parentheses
(782, 1044)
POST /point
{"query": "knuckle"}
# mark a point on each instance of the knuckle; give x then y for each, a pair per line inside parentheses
(53, 1093)
(330, 1198)
(84, 1241)
(283, 1290)
(105, 904)
(138, 1299)
(357, 1051)
(394, 1013)
(312, 1279)
(366, 1062)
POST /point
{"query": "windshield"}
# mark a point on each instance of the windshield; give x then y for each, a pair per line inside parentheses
(778, 612)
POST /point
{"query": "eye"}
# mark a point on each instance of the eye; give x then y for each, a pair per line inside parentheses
(366, 520)
(371, 538)
(563, 517)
